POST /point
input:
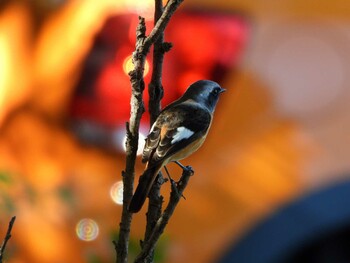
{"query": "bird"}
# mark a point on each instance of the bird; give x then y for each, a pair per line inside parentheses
(179, 130)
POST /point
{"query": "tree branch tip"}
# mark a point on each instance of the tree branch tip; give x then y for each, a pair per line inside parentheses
(141, 27)
(189, 170)
(142, 23)
(167, 46)
(7, 237)
(115, 243)
(12, 221)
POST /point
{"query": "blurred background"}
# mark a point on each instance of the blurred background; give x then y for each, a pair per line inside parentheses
(272, 177)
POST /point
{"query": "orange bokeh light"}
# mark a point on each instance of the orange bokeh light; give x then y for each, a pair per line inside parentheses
(129, 66)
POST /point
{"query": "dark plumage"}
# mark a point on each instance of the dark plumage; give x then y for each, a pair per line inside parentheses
(158, 146)
(179, 130)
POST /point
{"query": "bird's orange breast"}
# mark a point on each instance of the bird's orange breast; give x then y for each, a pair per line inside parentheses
(188, 150)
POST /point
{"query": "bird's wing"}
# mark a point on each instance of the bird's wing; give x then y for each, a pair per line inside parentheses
(152, 141)
(175, 128)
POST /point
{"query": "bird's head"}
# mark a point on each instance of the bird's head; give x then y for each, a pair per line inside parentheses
(205, 92)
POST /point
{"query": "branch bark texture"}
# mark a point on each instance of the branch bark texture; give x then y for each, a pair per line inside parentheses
(156, 92)
(158, 229)
(143, 45)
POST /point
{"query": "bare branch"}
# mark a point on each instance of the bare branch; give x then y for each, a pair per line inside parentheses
(142, 48)
(155, 91)
(132, 138)
(175, 197)
(162, 22)
(7, 238)
(155, 88)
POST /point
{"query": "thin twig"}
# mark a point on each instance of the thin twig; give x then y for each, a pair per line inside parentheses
(161, 24)
(132, 137)
(155, 91)
(175, 197)
(142, 48)
(7, 238)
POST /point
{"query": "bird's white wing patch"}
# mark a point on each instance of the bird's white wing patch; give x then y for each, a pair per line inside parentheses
(154, 124)
(182, 133)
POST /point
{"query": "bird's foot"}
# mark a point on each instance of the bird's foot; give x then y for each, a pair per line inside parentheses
(187, 168)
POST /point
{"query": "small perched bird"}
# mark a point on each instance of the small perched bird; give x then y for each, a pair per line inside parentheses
(179, 130)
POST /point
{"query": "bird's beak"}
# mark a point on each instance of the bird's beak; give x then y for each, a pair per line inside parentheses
(222, 90)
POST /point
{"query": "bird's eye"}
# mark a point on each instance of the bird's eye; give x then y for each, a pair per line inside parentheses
(216, 91)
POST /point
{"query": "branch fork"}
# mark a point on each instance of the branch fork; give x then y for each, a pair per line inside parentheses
(156, 221)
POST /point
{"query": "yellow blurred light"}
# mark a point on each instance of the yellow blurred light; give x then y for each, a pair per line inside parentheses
(144, 8)
(68, 33)
(129, 66)
(4, 69)
(116, 193)
(15, 30)
(36, 227)
(87, 229)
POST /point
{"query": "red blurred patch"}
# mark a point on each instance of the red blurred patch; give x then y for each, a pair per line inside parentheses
(206, 46)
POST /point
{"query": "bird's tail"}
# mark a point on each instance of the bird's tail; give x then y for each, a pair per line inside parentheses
(145, 183)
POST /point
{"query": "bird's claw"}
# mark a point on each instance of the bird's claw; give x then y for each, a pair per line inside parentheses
(189, 169)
